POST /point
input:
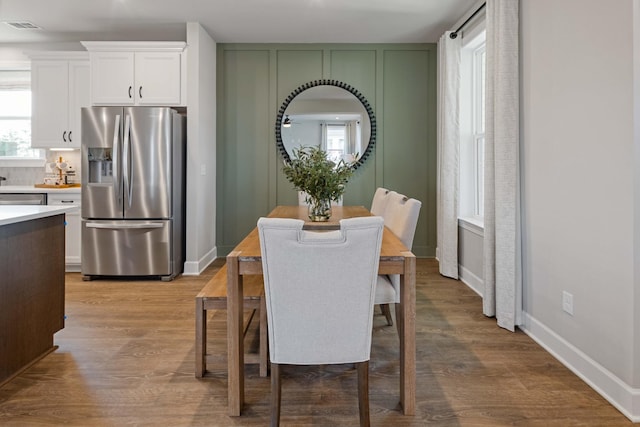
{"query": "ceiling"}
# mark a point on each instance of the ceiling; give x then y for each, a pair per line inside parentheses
(232, 21)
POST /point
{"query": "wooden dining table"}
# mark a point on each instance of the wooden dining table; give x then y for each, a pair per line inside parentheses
(395, 258)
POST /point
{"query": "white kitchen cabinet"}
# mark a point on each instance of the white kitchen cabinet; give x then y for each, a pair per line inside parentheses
(59, 89)
(72, 229)
(112, 78)
(137, 73)
(157, 77)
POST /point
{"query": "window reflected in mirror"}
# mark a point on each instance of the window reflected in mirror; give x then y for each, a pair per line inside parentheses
(328, 114)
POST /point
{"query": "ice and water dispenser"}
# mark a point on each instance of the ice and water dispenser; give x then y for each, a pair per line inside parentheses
(100, 165)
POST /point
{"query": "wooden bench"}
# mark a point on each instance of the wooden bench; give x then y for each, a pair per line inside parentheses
(214, 297)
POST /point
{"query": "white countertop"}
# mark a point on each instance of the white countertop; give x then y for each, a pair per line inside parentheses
(18, 213)
(32, 189)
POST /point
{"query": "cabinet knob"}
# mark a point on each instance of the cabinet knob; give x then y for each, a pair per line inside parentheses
(70, 136)
(140, 91)
(130, 87)
(64, 136)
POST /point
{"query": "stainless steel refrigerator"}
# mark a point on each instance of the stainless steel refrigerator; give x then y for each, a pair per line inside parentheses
(132, 191)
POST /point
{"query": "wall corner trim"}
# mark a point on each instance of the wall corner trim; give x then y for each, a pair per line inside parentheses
(193, 268)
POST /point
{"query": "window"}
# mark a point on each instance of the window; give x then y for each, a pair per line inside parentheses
(335, 141)
(15, 116)
(472, 120)
(342, 139)
(478, 82)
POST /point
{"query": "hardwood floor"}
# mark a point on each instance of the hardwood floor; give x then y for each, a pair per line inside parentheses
(126, 357)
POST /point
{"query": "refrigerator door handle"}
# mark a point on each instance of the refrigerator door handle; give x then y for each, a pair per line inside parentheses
(117, 184)
(126, 159)
(118, 226)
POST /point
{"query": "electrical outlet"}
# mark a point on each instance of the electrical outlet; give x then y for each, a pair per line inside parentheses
(203, 169)
(567, 302)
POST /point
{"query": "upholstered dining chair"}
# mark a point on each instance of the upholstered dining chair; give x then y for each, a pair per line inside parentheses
(319, 289)
(379, 202)
(400, 217)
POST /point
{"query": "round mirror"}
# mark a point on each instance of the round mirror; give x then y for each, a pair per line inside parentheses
(329, 114)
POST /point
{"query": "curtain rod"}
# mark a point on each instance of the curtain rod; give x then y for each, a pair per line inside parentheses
(454, 34)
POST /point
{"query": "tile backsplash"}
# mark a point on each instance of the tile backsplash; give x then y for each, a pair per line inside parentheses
(35, 175)
(22, 176)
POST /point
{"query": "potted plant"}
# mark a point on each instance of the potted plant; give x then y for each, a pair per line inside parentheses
(310, 170)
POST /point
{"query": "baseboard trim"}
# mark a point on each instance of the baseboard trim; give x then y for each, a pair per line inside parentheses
(72, 268)
(475, 283)
(194, 268)
(622, 396)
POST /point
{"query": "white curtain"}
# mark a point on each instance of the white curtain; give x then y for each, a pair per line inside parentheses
(358, 145)
(502, 296)
(348, 138)
(448, 152)
(323, 136)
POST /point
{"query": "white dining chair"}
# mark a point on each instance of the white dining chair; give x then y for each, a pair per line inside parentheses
(401, 218)
(320, 289)
(379, 201)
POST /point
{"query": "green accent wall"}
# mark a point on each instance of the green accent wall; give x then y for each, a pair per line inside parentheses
(398, 80)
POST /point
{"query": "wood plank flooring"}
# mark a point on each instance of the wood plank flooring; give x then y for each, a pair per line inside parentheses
(126, 357)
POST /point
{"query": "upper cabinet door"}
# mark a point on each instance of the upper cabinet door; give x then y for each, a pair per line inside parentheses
(50, 98)
(112, 78)
(157, 77)
(79, 97)
(59, 89)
